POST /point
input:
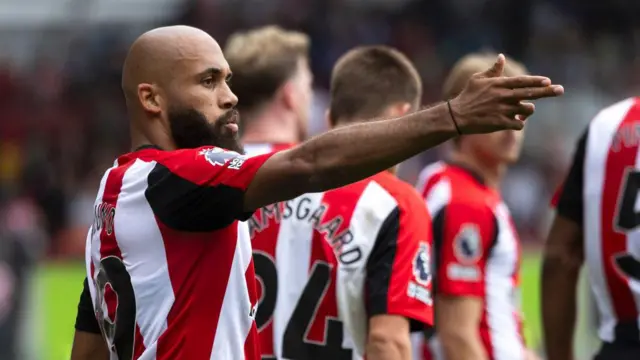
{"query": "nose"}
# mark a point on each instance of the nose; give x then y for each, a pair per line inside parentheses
(228, 100)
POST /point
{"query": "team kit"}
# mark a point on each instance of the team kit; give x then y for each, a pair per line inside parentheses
(226, 234)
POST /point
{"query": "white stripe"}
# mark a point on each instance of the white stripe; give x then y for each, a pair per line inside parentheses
(438, 197)
(92, 247)
(601, 132)
(293, 254)
(92, 251)
(143, 254)
(232, 330)
(500, 292)
(373, 207)
(427, 173)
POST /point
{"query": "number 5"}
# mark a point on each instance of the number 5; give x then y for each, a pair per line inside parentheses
(628, 219)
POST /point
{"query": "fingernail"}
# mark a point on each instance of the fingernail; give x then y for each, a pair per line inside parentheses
(558, 89)
(546, 82)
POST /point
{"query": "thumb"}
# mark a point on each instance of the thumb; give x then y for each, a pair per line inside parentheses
(497, 68)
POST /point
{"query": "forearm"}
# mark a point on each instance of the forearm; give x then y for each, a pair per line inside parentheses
(89, 346)
(559, 285)
(388, 347)
(351, 153)
(459, 345)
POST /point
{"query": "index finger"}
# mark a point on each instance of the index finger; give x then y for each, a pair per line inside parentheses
(537, 92)
(523, 81)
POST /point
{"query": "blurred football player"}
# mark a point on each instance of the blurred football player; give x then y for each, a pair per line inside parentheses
(477, 249)
(272, 79)
(347, 272)
(596, 224)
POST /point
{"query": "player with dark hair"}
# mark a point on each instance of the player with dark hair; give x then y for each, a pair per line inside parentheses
(596, 224)
(169, 265)
(477, 249)
(360, 254)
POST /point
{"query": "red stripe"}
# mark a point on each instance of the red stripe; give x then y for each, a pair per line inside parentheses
(109, 244)
(199, 265)
(139, 341)
(266, 241)
(341, 202)
(614, 242)
(251, 343)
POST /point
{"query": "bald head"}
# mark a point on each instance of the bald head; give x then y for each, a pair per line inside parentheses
(153, 56)
(171, 72)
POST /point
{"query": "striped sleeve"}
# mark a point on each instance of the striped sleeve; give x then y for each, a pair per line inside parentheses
(568, 199)
(201, 189)
(398, 269)
(464, 234)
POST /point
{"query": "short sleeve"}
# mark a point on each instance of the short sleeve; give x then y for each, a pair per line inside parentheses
(399, 280)
(568, 199)
(464, 235)
(201, 189)
(86, 318)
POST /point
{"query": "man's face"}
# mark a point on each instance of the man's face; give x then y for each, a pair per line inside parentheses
(303, 81)
(200, 107)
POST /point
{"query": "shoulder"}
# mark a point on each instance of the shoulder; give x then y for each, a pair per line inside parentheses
(452, 188)
(430, 173)
(615, 111)
(406, 196)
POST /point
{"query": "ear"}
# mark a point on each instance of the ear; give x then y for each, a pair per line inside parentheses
(327, 119)
(149, 98)
(288, 94)
(398, 109)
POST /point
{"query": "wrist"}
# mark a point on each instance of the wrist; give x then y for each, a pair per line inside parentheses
(453, 118)
(437, 119)
(457, 115)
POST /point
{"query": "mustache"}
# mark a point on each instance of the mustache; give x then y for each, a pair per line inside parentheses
(231, 116)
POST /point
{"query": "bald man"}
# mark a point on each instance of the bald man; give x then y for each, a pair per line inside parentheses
(169, 267)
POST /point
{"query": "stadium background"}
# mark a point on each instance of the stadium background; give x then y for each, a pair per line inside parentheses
(62, 117)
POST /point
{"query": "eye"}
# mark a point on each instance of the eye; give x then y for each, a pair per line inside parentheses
(208, 82)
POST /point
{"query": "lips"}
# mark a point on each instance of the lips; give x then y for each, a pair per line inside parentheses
(231, 117)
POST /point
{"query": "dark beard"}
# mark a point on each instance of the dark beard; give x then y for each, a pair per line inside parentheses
(190, 129)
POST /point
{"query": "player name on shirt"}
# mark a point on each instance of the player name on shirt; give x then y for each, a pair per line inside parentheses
(302, 209)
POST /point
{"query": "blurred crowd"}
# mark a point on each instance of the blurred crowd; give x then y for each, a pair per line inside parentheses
(63, 116)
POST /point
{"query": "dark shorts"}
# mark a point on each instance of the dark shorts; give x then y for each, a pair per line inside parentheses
(610, 351)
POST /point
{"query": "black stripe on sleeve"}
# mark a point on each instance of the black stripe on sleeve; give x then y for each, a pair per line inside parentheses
(380, 264)
(86, 318)
(570, 202)
(185, 206)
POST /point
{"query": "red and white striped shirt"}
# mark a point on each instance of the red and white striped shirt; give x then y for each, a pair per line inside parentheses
(326, 262)
(601, 195)
(477, 253)
(170, 267)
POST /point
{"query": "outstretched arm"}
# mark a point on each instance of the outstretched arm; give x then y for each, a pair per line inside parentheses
(489, 103)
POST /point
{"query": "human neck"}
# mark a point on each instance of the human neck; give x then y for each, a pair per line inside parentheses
(491, 173)
(271, 126)
(158, 137)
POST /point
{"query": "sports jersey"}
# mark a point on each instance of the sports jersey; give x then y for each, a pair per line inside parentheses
(327, 262)
(601, 195)
(170, 267)
(477, 253)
